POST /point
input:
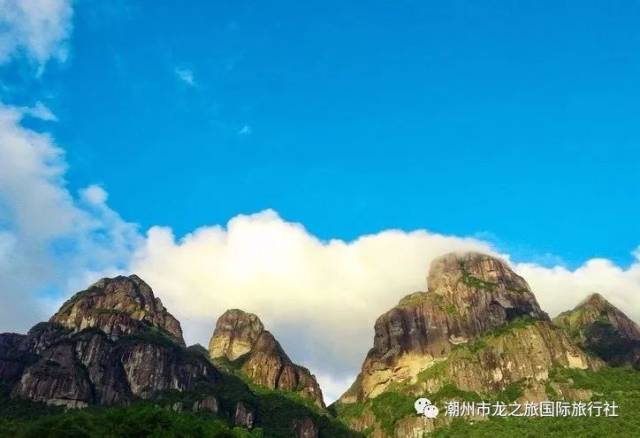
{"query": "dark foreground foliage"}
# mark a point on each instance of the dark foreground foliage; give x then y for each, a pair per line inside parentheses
(275, 412)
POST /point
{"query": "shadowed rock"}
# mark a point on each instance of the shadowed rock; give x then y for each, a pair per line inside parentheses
(602, 329)
(107, 345)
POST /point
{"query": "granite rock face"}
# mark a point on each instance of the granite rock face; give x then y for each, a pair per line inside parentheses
(108, 345)
(241, 339)
(468, 295)
(478, 328)
(603, 330)
(235, 334)
(118, 307)
(12, 360)
(243, 416)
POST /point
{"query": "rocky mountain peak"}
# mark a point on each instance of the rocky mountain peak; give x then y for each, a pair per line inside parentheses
(241, 340)
(107, 345)
(481, 289)
(595, 301)
(477, 329)
(476, 270)
(235, 335)
(603, 329)
(468, 295)
(118, 306)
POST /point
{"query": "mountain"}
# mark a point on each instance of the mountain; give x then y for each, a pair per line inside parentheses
(118, 307)
(241, 341)
(116, 348)
(476, 334)
(477, 331)
(108, 345)
(602, 329)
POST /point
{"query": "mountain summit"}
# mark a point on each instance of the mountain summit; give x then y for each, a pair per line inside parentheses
(602, 329)
(241, 340)
(468, 295)
(118, 306)
(477, 330)
(110, 344)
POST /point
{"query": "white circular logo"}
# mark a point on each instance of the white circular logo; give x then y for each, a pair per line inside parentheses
(424, 407)
(431, 411)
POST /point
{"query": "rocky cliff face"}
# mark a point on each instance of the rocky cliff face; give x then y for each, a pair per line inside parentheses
(468, 295)
(12, 360)
(478, 329)
(241, 339)
(108, 345)
(602, 329)
(118, 307)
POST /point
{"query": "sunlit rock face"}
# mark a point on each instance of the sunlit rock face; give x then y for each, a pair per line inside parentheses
(478, 328)
(468, 295)
(235, 334)
(605, 331)
(118, 306)
(241, 339)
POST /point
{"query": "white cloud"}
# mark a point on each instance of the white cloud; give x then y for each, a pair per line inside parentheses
(50, 240)
(94, 195)
(245, 130)
(559, 289)
(37, 29)
(40, 111)
(186, 76)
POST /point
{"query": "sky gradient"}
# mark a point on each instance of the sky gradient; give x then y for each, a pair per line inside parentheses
(520, 122)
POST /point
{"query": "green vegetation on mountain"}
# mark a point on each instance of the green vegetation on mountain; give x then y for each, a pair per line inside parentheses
(608, 384)
(139, 420)
(171, 415)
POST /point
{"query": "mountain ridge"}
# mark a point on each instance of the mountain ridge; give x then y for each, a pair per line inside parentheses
(477, 332)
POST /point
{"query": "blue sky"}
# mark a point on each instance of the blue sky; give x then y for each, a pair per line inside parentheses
(516, 121)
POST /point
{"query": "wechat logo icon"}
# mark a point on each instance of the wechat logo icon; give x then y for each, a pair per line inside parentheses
(424, 407)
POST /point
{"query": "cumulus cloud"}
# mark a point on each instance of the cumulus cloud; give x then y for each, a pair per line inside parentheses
(94, 195)
(559, 289)
(37, 29)
(320, 298)
(50, 240)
